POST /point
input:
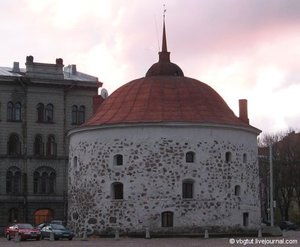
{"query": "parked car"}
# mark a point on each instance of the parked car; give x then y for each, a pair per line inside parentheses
(40, 226)
(58, 222)
(25, 231)
(287, 225)
(59, 231)
(266, 222)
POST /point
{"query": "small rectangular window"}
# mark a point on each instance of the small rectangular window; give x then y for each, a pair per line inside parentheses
(187, 190)
(118, 191)
(75, 160)
(246, 219)
(237, 190)
(167, 219)
(118, 160)
(244, 158)
(190, 157)
(228, 157)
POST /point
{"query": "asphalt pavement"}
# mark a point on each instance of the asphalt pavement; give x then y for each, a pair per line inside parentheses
(289, 238)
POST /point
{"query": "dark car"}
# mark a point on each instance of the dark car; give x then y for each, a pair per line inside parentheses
(59, 231)
(266, 222)
(40, 226)
(287, 225)
(59, 222)
(25, 231)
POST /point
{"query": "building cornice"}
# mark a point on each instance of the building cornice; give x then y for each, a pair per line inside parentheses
(249, 129)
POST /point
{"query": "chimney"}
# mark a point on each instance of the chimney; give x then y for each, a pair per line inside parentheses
(243, 106)
(59, 61)
(16, 68)
(29, 60)
(73, 69)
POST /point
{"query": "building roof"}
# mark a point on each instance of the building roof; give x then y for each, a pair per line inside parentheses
(49, 74)
(7, 71)
(164, 99)
(165, 95)
(78, 76)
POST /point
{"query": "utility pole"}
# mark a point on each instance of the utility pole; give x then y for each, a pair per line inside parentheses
(271, 186)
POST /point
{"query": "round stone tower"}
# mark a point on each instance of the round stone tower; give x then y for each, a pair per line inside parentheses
(164, 152)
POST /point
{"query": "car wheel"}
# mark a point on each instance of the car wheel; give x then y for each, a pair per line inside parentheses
(8, 237)
(70, 239)
(38, 238)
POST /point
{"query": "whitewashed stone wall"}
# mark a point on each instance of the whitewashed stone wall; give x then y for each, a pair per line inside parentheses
(152, 174)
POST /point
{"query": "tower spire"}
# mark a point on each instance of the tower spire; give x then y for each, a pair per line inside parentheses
(164, 38)
(164, 67)
(164, 55)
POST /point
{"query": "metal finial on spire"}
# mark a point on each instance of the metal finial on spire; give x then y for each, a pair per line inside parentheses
(164, 39)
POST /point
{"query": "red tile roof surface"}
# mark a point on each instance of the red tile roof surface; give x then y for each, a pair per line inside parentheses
(156, 99)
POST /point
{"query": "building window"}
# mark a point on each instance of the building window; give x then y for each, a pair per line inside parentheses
(75, 161)
(52, 180)
(246, 219)
(17, 113)
(36, 181)
(228, 157)
(44, 180)
(40, 112)
(237, 190)
(49, 113)
(167, 219)
(190, 157)
(78, 114)
(117, 191)
(118, 160)
(13, 215)
(14, 145)
(187, 189)
(51, 146)
(10, 110)
(81, 112)
(43, 183)
(74, 114)
(44, 114)
(13, 180)
(38, 145)
(13, 111)
(244, 158)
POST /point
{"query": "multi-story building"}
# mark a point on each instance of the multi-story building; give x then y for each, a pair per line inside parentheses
(38, 105)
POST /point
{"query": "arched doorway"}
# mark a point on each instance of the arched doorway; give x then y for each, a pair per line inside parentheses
(42, 216)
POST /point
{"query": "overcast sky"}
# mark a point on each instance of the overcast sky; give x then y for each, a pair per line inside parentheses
(242, 48)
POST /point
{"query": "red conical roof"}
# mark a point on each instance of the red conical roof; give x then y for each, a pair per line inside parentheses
(164, 95)
(158, 99)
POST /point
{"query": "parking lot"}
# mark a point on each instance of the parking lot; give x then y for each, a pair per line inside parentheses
(289, 238)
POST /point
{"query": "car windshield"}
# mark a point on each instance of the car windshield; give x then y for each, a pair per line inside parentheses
(25, 226)
(57, 227)
(40, 226)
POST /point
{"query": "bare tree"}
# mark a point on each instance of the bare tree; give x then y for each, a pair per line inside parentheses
(286, 147)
